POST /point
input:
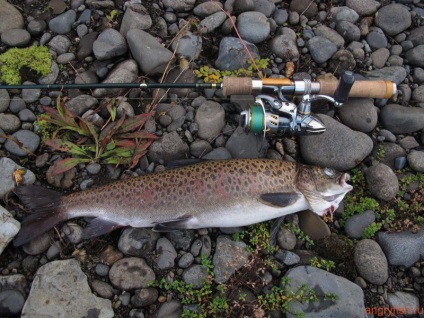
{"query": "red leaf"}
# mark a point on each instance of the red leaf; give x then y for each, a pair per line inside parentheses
(63, 165)
(135, 122)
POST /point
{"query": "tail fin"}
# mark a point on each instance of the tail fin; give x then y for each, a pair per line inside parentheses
(45, 206)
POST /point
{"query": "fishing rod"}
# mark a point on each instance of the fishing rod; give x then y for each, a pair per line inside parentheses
(272, 113)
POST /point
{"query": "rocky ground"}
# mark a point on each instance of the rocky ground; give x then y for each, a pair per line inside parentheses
(380, 142)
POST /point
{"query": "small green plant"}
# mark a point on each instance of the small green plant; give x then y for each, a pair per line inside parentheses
(280, 297)
(35, 58)
(322, 263)
(299, 233)
(380, 152)
(111, 15)
(123, 143)
(211, 75)
(257, 236)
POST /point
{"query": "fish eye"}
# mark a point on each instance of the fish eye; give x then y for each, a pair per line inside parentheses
(329, 172)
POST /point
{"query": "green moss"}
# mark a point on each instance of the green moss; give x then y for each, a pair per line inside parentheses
(36, 58)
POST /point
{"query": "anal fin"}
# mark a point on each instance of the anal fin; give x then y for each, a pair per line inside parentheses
(172, 225)
(99, 226)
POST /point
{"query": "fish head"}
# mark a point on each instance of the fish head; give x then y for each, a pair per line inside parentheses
(323, 188)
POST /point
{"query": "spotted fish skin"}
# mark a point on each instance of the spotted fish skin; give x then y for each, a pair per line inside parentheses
(221, 193)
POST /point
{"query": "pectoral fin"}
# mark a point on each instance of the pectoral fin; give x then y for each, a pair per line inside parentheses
(98, 227)
(172, 225)
(280, 199)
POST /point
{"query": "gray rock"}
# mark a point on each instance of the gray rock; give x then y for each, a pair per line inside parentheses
(102, 269)
(349, 31)
(393, 18)
(65, 58)
(402, 248)
(9, 123)
(102, 289)
(321, 49)
(72, 232)
(206, 246)
(169, 147)
(380, 57)
(313, 225)
(395, 60)
(80, 104)
(363, 7)
(37, 245)
(371, 262)
(287, 258)
(350, 297)
(109, 44)
(62, 24)
(253, 26)
(207, 8)
(280, 16)
(382, 182)
(243, 6)
(100, 4)
(172, 308)
(181, 239)
(416, 36)
(284, 47)
(131, 273)
(52, 76)
(136, 313)
(218, 154)
(7, 183)
(199, 148)
(400, 299)
(55, 294)
(242, 145)
(9, 227)
(30, 95)
(16, 37)
(356, 224)
(195, 275)
(166, 254)
(212, 22)
(150, 55)
(286, 239)
(189, 45)
(27, 115)
(387, 135)
(27, 138)
(400, 119)
(138, 241)
(344, 14)
(359, 114)
(414, 56)
(11, 302)
(264, 6)
(338, 147)
(136, 17)
(88, 77)
(376, 39)
(418, 75)
(179, 5)
(85, 46)
(229, 256)
(85, 17)
(10, 17)
(15, 281)
(232, 54)
(391, 73)
(307, 8)
(16, 104)
(125, 72)
(210, 117)
(186, 260)
(60, 44)
(409, 142)
(418, 94)
(331, 35)
(4, 100)
(144, 297)
(343, 60)
(416, 160)
(53, 252)
(391, 153)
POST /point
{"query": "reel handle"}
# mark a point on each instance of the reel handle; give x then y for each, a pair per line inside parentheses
(341, 95)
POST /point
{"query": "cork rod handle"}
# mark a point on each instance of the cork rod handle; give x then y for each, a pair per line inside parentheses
(371, 89)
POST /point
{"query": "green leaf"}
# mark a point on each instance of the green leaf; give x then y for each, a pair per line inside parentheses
(136, 134)
(134, 122)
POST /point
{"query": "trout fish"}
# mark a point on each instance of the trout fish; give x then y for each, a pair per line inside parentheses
(222, 193)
